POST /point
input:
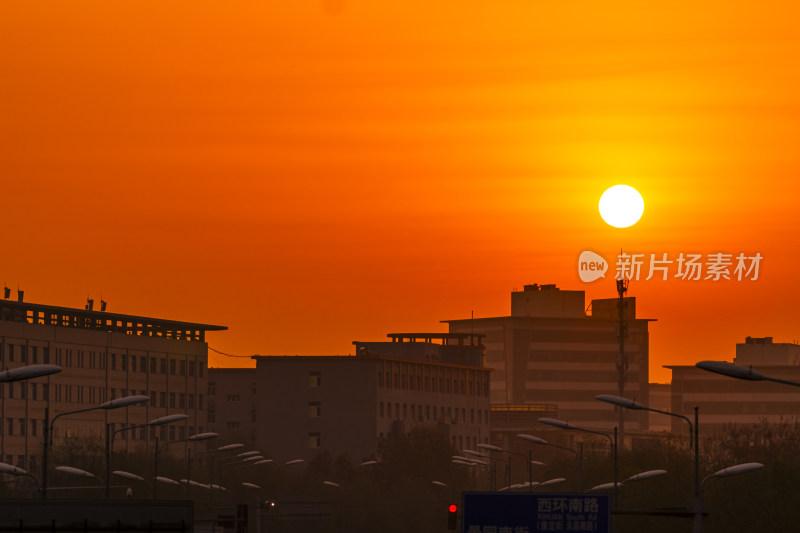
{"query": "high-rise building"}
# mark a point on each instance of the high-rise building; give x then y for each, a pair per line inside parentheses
(550, 358)
(103, 356)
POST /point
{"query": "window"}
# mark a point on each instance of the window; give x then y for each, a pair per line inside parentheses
(472, 416)
(152, 365)
(232, 425)
(314, 409)
(380, 409)
(34, 425)
(212, 388)
(191, 368)
(172, 367)
(142, 369)
(11, 352)
(191, 401)
(21, 422)
(171, 432)
(162, 399)
(211, 417)
(152, 398)
(314, 379)
(34, 391)
(182, 400)
(314, 440)
(123, 363)
(11, 426)
(163, 366)
(133, 363)
(200, 402)
(405, 411)
(172, 400)
(113, 362)
(232, 398)
(182, 368)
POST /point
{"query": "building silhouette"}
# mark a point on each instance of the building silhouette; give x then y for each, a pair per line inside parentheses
(306, 405)
(724, 401)
(550, 358)
(103, 356)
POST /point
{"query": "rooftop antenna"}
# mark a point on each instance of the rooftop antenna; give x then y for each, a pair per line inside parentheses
(103, 304)
(6, 292)
(20, 294)
(89, 303)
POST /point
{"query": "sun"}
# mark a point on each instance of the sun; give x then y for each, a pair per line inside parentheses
(621, 206)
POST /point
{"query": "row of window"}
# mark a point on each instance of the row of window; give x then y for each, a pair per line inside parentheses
(433, 378)
(460, 442)
(428, 413)
(96, 395)
(212, 415)
(33, 427)
(212, 390)
(67, 357)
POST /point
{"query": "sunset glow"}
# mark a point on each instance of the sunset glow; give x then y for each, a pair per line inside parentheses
(314, 173)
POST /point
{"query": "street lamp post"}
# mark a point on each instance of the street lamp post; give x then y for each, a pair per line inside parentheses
(47, 429)
(578, 454)
(697, 526)
(528, 458)
(110, 440)
(612, 441)
(632, 404)
(24, 373)
(193, 438)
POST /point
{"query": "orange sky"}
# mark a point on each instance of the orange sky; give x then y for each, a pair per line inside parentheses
(312, 173)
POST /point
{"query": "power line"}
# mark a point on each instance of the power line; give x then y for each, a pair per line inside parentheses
(228, 354)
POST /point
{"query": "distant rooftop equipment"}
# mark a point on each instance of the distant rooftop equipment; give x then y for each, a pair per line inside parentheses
(548, 301)
(6, 293)
(89, 304)
(20, 295)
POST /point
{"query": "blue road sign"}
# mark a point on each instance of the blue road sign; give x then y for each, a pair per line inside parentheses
(531, 512)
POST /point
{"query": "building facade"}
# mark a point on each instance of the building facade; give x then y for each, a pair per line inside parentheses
(552, 357)
(348, 404)
(103, 356)
(232, 409)
(723, 401)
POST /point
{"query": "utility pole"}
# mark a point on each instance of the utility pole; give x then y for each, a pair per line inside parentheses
(622, 359)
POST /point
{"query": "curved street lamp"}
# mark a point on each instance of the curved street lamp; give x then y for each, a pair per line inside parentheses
(497, 449)
(578, 456)
(28, 372)
(47, 428)
(16, 471)
(725, 472)
(567, 426)
(111, 434)
(740, 372)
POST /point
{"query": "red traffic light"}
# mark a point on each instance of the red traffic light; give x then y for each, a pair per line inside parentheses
(453, 508)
